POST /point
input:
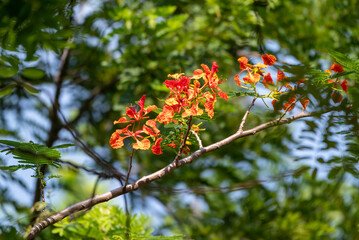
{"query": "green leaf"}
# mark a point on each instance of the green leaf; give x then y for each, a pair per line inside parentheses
(30, 89)
(7, 72)
(33, 73)
(32, 153)
(344, 60)
(63, 146)
(7, 89)
(334, 172)
(14, 168)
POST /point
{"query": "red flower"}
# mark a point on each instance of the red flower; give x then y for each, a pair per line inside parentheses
(337, 97)
(290, 104)
(276, 105)
(336, 68)
(156, 148)
(179, 85)
(116, 140)
(300, 81)
(268, 59)
(280, 75)
(236, 79)
(344, 86)
(268, 80)
(243, 62)
(209, 104)
(304, 102)
(135, 115)
(167, 114)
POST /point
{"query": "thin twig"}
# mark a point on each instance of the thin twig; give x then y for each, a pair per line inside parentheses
(89, 151)
(198, 139)
(166, 170)
(246, 115)
(184, 141)
(104, 175)
(286, 110)
(129, 167)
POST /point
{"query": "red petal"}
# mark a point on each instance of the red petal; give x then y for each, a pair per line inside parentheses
(236, 79)
(268, 59)
(280, 75)
(223, 95)
(304, 102)
(206, 69)
(152, 124)
(243, 62)
(156, 149)
(337, 97)
(344, 85)
(336, 68)
(268, 80)
(131, 112)
(214, 67)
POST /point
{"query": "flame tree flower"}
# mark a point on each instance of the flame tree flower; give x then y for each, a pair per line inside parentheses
(140, 133)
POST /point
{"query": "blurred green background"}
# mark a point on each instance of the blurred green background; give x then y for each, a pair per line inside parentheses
(86, 61)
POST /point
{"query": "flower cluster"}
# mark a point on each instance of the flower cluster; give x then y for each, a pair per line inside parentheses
(139, 132)
(187, 98)
(256, 74)
(336, 95)
(192, 96)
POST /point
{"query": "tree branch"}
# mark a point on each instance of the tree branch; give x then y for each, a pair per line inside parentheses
(184, 141)
(246, 115)
(198, 139)
(165, 171)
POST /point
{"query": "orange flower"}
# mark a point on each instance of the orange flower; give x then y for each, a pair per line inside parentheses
(236, 79)
(252, 78)
(156, 148)
(135, 115)
(268, 80)
(268, 59)
(243, 62)
(290, 104)
(193, 111)
(167, 114)
(144, 144)
(209, 104)
(304, 102)
(336, 68)
(223, 95)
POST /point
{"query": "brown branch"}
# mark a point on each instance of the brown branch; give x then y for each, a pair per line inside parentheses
(198, 139)
(129, 167)
(246, 115)
(165, 171)
(53, 116)
(102, 162)
(184, 141)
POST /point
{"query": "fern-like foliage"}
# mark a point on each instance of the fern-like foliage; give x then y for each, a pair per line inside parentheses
(31, 155)
(351, 64)
(108, 222)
